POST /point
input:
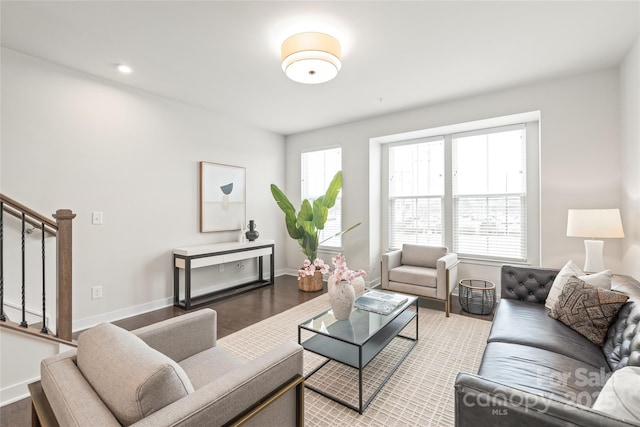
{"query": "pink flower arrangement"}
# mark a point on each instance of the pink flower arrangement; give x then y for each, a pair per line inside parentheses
(310, 269)
(342, 272)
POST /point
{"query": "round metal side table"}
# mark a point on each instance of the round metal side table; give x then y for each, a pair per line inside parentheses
(477, 296)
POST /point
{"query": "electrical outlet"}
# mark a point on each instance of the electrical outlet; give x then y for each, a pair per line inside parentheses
(96, 292)
(239, 266)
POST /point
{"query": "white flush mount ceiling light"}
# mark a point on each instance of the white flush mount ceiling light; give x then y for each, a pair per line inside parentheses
(311, 57)
(124, 69)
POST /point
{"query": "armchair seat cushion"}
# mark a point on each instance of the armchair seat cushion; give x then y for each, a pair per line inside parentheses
(209, 365)
(414, 275)
(131, 378)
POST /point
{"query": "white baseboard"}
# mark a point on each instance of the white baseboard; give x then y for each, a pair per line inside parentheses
(15, 392)
(88, 322)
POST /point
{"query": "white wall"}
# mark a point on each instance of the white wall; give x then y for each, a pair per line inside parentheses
(630, 137)
(20, 368)
(71, 140)
(580, 158)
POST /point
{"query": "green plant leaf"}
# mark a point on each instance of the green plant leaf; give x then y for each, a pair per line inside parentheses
(329, 199)
(306, 212)
(292, 225)
(320, 214)
(282, 200)
(288, 209)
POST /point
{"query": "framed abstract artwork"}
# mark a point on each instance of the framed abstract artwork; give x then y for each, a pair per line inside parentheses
(222, 197)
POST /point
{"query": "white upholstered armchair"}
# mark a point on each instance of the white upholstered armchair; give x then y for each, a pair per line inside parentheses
(427, 271)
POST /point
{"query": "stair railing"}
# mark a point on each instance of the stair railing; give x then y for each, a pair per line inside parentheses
(61, 229)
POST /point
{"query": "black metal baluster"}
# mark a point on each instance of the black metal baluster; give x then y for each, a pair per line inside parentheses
(3, 318)
(24, 316)
(44, 329)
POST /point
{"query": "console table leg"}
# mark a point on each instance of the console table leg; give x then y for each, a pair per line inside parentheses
(272, 270)
(187, 284)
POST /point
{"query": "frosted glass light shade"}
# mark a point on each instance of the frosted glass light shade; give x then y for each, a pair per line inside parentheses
(311, 58)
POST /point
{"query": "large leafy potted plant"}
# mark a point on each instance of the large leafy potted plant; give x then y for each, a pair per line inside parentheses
(303, 227)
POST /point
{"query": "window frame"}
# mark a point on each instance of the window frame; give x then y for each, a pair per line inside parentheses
(417, 195)
(488, 196)
(336, 210)
(531, 121)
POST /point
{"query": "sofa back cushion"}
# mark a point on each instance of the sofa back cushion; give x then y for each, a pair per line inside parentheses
(622, 344)
(421, 255)
(131, 378)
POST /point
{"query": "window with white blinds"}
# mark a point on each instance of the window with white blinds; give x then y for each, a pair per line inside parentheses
(416, 193)
(318, 169)
(467, 191)
(489, 190)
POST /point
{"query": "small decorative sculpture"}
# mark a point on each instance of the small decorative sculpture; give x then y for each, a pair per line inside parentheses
(252, 234)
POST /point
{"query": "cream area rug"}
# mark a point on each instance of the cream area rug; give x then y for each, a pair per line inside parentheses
(419, 393)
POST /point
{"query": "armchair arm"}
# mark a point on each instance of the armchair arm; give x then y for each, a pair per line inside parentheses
(182, 336)
(221, 401)
(389, 260)
(447, 274)
(480, 402)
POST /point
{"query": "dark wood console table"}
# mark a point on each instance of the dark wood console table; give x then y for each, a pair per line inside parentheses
(189, 258)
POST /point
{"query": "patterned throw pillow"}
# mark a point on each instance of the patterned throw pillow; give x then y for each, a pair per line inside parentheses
(586, 309)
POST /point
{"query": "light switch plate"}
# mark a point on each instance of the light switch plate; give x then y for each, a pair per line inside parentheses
(96, 218)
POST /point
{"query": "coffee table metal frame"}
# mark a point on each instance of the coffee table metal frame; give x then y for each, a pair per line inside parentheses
(358, 354)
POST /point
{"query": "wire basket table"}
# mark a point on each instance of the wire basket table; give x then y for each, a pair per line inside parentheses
(477, 296)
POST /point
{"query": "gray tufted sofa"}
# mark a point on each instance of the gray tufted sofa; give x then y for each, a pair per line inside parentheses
(536, 371)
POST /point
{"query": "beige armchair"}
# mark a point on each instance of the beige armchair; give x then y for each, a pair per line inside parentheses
(427, 271)
(170, 373)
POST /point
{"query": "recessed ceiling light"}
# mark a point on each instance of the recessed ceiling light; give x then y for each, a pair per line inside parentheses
(124, 69)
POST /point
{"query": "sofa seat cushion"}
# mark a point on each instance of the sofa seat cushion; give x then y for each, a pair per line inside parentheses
(536, 329)
(209, 365)
(542, 372)
(422, 255)
(413, 275)
(132, 379)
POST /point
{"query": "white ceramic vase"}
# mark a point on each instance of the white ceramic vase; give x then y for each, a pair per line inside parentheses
(341, 296)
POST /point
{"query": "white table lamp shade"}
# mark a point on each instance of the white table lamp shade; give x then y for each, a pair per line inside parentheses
(594, 223)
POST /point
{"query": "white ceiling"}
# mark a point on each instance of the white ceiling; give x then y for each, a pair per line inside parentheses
(224, 56)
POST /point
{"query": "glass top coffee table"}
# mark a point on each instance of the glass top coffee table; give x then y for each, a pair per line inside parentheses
(357, 341)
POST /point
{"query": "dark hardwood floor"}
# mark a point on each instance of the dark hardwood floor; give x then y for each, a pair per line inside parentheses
(234, 313)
